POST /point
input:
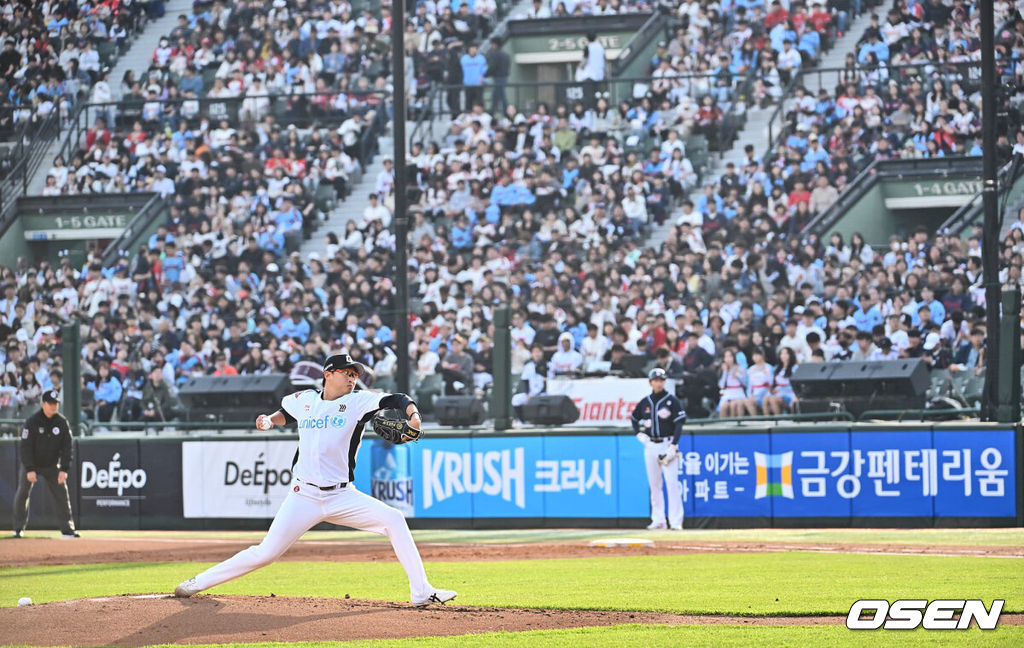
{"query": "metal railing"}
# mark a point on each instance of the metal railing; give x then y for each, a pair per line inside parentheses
(425, 116)
(368, 140)
(870, 175)
(968, 75)
(447, 101)
(647, 33)
(527, 97)
(303, 110)
(777, 122)
(973, 210)
(29, 150)
(917, 414)
(130, 237)
(157, 428)
(795, 417)
(735, 120)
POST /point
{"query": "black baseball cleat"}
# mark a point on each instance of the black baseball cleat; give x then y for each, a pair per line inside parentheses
(70, 534)
(17, 534)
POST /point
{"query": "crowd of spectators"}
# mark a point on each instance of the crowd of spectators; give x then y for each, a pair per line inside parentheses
(544, 210)
(53, 53)
(910, 90)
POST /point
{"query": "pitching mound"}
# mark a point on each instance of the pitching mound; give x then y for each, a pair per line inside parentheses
(158, 618)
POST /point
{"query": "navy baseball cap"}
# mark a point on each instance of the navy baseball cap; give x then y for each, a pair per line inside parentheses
(656, 374)
(51, 396)
(341, 361)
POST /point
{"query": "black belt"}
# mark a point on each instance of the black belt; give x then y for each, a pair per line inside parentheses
(328, 488)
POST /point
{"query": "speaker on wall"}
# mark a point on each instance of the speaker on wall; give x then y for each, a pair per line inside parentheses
(232, 398)
(458, 411)
(550, 409)
(861, 386)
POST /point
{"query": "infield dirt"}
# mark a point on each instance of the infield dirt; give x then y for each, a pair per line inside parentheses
(45, 551)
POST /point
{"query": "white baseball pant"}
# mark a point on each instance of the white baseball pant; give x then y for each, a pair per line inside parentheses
(306, 507)
(669, 475)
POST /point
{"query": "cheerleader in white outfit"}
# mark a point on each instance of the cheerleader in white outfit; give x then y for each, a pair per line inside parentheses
(760, 374)
(782, 395)
(733, 386)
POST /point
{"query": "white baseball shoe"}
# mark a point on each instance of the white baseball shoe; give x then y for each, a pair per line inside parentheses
(187, 588)
(676, 527)
(656, 525)
(435, 596)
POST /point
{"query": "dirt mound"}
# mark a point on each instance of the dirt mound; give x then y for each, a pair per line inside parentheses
(158, 618)
(46, 551)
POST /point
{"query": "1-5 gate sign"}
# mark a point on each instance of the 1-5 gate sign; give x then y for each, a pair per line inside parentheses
(907, 614)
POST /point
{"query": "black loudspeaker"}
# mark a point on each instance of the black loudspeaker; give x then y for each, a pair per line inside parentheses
(550, 409)
(233, 398)
(910, 377)
(814, 379)
(862, 386)
(459, 410)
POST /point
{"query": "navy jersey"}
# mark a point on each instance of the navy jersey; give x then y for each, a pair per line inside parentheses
(660, 416)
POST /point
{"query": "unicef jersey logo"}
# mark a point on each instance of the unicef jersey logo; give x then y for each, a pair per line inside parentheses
(322, 422)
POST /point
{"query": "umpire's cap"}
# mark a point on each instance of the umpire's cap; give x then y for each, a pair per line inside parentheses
(340, 361)
(51, 396)
(656, 374)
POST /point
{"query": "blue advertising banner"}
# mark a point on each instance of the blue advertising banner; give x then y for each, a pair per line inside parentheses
(817, 475)
(758, 476)
(861, 474)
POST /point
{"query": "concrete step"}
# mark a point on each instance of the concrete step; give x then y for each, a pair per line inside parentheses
(755, 130)
(137, 58)
(138, 54)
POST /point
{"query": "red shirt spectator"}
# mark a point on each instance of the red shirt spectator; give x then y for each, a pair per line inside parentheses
(776, 16)
(820, 19)
(223, 368)
(799, 195)
(276, 160)
(800, 19)
(98, 134)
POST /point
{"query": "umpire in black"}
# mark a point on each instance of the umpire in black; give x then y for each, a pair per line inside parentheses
(46, 451)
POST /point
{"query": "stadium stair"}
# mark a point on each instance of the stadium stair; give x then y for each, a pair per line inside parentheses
(351, 208)
(136, 58)
(755, 131)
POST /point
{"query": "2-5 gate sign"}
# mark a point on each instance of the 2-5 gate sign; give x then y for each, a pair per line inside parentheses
(906, 614)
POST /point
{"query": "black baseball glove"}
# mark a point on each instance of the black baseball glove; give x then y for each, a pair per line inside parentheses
(395, 431)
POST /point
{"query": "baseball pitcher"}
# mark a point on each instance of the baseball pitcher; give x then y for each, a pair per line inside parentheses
(658, 423)
(330, 424)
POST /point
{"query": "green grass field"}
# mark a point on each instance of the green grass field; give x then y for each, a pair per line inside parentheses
(748, 584)
(743, 584)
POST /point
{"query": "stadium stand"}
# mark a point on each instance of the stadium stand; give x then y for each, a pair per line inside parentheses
(543, 208)
(54, 52)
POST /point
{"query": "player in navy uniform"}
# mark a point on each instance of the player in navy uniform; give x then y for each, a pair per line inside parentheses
(330, 424)
(45, 451)
(658, 422)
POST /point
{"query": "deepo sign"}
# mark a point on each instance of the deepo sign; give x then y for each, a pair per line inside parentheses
(235, 479)
(112, 476)
(258, 475)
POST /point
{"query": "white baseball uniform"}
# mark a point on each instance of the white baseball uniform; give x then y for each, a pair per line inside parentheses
(330, 432)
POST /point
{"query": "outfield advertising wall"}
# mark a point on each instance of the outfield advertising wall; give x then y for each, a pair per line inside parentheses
(813, 475)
